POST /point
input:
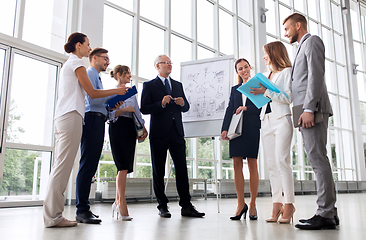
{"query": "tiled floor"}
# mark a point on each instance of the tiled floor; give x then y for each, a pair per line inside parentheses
(27, 222)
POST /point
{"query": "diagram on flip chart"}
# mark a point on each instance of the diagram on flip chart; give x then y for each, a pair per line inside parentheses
(207, 88)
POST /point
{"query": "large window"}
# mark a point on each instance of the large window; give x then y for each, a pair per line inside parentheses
(7, 11)
(135, 32)
(22, 19)
(117, 37)
(182, 10)
(205, 23)
(151, 44)
(358, 18)
(31, 101)
(28, 80)
(28, 109)
(50, 30)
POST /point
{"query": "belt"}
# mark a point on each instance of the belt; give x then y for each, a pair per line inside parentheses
(98, 114)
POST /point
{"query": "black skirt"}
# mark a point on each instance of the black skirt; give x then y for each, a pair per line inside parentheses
(122, 137)
(246, 145)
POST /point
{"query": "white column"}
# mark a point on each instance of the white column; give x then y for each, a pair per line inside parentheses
(354, 99)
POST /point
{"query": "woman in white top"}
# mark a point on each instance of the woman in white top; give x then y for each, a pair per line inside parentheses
(277, 131)
(70, 108)
(122, 137)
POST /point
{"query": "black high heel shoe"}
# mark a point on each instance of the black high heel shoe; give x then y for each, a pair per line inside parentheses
(253, 217)
(244, 211)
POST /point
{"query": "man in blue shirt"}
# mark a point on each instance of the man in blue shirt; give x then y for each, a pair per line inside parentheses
(93, 137)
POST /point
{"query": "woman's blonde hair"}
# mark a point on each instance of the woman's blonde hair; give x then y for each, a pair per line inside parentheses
(122, 69)
(278, 56)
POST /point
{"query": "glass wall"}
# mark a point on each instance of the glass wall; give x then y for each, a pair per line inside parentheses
(28, 111)
(28, 80)
(358, 18)
(51, 25)
(21, 19)
(7, 11)
(135, 32)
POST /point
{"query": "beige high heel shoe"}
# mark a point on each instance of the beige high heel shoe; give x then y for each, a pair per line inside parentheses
(288, 220)
(275, 218)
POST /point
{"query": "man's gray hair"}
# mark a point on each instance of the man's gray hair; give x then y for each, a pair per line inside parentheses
(158, 58)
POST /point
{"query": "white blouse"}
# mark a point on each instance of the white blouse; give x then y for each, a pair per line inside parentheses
(70, 92)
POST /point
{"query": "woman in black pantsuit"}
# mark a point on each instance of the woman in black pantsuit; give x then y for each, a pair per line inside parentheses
(122, 137)
(246, 145)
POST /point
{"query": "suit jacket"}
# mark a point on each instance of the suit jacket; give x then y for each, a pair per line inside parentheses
(236, 100)
(308, 84)
(280, 104)
(161, 120)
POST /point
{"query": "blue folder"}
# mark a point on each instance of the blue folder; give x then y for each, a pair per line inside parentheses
(258, 100)
(112, 102)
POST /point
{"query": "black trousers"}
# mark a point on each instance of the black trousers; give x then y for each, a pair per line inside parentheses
(91, 149)
(177, 148)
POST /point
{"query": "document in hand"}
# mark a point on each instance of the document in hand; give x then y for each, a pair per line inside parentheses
(112, 102)
(235, 127)
(258, 100)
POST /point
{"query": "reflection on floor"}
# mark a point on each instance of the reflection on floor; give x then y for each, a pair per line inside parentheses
(27, 222)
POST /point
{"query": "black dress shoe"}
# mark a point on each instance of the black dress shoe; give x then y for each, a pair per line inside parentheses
(164, 212)
(336, 220)
(191, 212)
(316, 223)
(87, 217)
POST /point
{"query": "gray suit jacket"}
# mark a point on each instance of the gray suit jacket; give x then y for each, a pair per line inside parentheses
(308, 83)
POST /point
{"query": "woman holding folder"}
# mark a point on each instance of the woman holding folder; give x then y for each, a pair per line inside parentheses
(246, 145)
(122, 137)
(277, 131)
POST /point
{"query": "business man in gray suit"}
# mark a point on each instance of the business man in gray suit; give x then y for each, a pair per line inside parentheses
(310, 91)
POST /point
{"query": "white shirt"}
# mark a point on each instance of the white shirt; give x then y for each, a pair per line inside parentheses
(70, 92)
(163, 80)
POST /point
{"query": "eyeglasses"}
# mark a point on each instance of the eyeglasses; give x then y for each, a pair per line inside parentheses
(166, 62)
(105, 58)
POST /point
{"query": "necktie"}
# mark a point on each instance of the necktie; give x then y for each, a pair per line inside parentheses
(167, 87)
